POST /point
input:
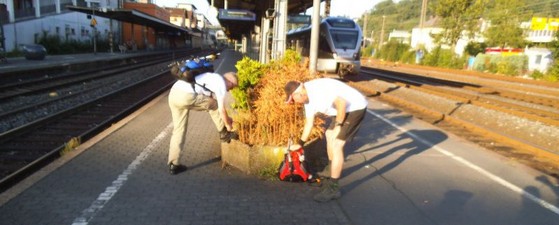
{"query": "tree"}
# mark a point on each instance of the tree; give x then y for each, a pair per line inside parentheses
(505, 30)
(457, 16)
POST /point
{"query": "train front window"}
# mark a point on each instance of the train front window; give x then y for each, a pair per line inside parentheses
(344, 39)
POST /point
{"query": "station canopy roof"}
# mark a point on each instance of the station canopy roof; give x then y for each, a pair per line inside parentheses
(132, 16)
(235, 28)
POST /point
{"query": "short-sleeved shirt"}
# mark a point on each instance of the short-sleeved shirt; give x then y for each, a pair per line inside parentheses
(323, 91)
(212, 81)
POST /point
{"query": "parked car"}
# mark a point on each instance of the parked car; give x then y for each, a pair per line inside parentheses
(34, 51)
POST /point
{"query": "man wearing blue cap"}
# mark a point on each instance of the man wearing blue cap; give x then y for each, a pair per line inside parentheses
(205, 93)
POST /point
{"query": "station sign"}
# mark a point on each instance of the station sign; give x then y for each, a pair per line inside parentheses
(236, 14)
(299, 19)
(544, 23)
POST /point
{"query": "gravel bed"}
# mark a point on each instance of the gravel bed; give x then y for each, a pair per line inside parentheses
(507, 100)
(536, 133)
(94, 89)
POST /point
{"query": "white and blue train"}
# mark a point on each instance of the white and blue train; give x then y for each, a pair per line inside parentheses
(338, 48)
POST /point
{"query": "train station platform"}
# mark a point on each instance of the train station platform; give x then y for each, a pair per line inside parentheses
(398, 170)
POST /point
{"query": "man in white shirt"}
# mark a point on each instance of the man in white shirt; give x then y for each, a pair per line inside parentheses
(206, 94)
(346, 108)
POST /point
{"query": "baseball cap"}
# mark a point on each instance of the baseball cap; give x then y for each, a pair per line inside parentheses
(290, 87)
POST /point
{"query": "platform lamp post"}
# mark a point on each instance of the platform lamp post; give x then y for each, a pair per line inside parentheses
(381, 33)
(93, 25)
(315, 29)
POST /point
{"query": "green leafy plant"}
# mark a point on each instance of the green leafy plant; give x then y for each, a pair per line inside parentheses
(248, 72)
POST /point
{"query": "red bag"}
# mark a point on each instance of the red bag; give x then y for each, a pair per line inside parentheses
(293, 167)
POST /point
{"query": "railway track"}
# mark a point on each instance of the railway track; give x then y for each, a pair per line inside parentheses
(518, 119)
(85, 104)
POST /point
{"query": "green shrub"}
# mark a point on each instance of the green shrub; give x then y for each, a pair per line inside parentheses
(513, 65)
(552, 74)
(408, 57)
(248, 72)
(445, 58)
(392, 51)
(537, 75)
(367, 51)
(56, 46)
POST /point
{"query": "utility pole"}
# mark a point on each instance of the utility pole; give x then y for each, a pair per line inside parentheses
(422, 20)
(423, 14)
(381, 33)
(315, 29)
(94, 26)
(365, 28)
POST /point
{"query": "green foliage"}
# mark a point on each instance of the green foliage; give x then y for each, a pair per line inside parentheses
(393, 51)
(248, 73)
(291, 57)
(474, 48)
(552, 74)
(537, 75)
(505, 35)
(457, 16)
(512, 65)
(269, 173)
(56, 45)
(445, 58)
(367, 51)
(408, 57)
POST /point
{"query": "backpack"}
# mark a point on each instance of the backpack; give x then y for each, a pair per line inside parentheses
(293, 168)
(193, 67)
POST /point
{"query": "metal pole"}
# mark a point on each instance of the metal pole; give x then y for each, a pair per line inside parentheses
(264, 50)
(381, 32)
(365, 28)
(313, 54)
(422, 21)
(280, 29)
(94, 35)
(111, 35)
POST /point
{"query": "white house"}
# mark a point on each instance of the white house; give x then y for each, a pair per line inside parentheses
(400, 35)
(29, 19)
(539, 59)
(424, 37)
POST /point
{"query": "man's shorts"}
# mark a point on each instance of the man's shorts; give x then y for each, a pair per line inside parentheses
(350, 125)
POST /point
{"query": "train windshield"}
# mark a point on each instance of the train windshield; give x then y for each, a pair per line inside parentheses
(345, 39)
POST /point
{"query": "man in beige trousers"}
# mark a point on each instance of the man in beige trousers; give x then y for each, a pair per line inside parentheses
(207, 93)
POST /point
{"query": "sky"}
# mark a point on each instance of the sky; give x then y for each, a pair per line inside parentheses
(348, 8)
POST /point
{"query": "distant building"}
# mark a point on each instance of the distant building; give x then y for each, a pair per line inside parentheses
(400, 36)
(24, 22)
(541, 29)
(423, 37)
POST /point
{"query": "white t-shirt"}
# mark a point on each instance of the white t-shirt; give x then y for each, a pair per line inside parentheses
(212, 81)
(323, 91)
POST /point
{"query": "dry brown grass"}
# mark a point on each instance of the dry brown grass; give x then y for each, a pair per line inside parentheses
(271, 121)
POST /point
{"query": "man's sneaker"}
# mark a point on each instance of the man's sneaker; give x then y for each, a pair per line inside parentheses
(174, 169)
(233, 135)
(330, 191)
(226, 136)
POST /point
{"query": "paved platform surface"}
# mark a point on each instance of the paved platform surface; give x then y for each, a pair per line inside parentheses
(398, 171)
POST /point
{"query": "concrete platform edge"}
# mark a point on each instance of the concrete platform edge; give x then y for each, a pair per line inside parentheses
(26, 183)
